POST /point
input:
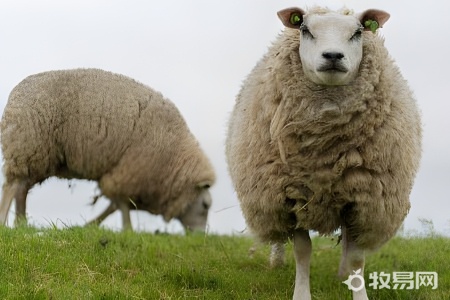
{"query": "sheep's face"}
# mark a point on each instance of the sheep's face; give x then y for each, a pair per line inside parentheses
(330, 48)
(196, 215)
(331, 43)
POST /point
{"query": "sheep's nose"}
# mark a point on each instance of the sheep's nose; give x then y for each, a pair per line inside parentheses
(333, 56)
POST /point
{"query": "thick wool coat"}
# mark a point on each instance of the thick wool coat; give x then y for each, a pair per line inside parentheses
(96, 125)
(317, 157)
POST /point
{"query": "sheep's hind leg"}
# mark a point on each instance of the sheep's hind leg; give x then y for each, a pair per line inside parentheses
(21, 193)
(302, 253)
(352, 262)
(17, 190)
(8, 194)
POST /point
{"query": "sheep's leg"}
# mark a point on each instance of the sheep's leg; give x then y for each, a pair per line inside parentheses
(352, 260)
(8, 194)
(125, 210)
(109, 210)
(302, 253)
(277, 255)
(17, 190)
(21, 193)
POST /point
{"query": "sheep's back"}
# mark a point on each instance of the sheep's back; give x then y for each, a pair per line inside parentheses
(80, 123)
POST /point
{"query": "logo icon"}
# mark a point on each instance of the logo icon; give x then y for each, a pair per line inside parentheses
(349, 281)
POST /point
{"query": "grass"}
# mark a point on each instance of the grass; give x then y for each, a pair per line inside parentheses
(94, 263)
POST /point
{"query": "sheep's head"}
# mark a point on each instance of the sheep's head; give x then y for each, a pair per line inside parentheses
(196, 214)
(331, 43)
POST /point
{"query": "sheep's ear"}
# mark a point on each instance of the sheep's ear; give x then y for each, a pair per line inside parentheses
(291, 17)
(372, 19)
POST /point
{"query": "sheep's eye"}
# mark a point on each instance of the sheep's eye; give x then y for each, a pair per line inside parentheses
(357, 35)
(205, 205)
(305, 31)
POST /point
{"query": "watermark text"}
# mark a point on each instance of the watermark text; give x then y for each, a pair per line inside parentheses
(393, 281)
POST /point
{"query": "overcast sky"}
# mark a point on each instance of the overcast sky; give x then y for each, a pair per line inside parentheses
(197, 53)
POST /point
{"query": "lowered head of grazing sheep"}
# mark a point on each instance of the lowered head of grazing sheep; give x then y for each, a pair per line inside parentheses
(325, 135)
(193, 219)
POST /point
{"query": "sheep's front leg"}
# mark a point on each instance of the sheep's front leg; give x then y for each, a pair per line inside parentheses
(109, 210)
(352, 262)
(302, 253)
(125, 210)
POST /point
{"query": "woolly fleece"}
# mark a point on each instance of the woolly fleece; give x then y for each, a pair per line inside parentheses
(96, 125)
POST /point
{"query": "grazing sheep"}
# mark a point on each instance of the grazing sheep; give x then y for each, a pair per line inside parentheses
(96, 125)
(325, 135)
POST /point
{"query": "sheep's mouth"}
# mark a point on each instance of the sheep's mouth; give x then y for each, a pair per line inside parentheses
(332, 68)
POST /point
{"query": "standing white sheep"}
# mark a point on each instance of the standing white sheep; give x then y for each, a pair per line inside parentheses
(325, 135)
(96, 125)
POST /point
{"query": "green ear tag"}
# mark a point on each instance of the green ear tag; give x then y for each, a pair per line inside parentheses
(295, 19)
(372, 25)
